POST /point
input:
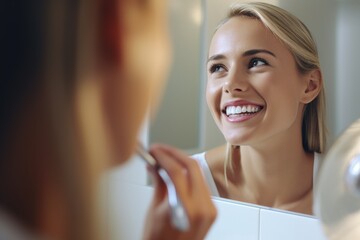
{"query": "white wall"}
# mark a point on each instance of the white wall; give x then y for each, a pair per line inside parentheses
(177, 122)
(348, 64)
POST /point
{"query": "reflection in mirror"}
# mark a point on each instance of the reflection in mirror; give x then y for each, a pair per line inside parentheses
(265, 93)
(280, 173)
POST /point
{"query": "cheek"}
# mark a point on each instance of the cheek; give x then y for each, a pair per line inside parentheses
(158, 70)
(149, 61)
(213, 97)
(128, 97)
(278, 89)
(282, 104)
(124, 102)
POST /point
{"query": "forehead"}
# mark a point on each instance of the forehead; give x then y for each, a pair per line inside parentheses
(243, 33)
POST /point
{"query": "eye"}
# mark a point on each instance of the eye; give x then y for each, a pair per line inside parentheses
(256, 62)
(216, 68)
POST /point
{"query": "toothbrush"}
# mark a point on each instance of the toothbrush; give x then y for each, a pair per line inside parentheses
(179, 217)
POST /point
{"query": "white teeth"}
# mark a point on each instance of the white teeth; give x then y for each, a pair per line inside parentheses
(241, 109)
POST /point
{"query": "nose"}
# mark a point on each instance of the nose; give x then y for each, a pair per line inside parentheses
(235, 82)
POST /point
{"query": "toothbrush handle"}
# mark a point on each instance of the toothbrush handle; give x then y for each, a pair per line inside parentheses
(179, 217)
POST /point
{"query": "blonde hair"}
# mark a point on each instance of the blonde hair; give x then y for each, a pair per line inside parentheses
(297, 38)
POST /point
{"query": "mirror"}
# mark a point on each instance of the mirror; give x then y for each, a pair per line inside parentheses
(183, 119)
(178, 119)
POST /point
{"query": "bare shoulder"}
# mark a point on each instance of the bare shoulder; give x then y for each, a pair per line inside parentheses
(215, 158)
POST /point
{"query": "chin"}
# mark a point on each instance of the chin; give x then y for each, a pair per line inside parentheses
(126, 155)
(237, 139)
(124, 152)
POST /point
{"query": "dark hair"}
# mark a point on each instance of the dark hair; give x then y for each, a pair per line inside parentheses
(38, 49)
(22, 49)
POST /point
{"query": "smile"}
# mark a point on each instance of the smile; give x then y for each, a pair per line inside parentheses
(241, 110)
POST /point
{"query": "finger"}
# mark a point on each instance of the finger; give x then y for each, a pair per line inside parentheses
(174, 169)
(198, 184)
(199, 206)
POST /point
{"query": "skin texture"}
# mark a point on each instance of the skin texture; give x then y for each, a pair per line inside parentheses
(248, 65)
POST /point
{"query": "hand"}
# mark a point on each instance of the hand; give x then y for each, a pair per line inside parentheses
(193, 191)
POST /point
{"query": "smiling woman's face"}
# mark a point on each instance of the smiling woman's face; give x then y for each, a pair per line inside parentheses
(254, 89)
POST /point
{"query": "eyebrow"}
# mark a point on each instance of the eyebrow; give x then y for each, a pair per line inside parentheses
(215, 57)
(245, 54)
(255, 51)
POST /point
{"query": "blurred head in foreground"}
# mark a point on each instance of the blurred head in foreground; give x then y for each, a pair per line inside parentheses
(77, 79)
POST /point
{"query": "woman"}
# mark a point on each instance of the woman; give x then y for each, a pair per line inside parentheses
(77, 79)
(266, 94)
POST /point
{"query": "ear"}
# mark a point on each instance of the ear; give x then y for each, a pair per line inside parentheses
(313, 81)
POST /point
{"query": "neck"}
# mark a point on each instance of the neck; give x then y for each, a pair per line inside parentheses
(277, 176)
